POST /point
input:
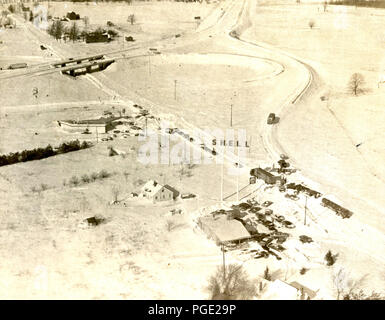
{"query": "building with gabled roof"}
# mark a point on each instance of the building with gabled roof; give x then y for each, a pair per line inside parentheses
(155, 191)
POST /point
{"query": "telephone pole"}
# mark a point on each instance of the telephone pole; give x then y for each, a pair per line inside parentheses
(231, 115)
(224, 262)
(304, 222)
(149, 64)
(238, 175)
(222, 180)
(175, 89)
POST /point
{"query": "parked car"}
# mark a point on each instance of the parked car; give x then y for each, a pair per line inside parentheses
(271, 118)
(267, 203)
(305, 239)
(261, 254)
(288, 224)
(187, 196)
(255, 209)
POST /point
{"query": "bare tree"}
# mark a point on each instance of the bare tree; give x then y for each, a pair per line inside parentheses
(73, 32)
(355, 83)
(115, 194)
(231, 283)
(345, 286)
(325, 6)
(266, 274)
(131, 18)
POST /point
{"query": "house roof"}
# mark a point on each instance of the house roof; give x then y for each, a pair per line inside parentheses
(174, 191)
(224, 229)
(267, 173)
(306, 290)
(280, 290)
(151, 187)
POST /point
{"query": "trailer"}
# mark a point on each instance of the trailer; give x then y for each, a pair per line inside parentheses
(341, 211)
(17, 66)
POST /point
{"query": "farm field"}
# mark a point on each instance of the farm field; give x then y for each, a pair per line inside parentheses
(245, 60)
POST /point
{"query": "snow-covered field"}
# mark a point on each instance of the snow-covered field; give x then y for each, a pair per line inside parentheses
(194, 81)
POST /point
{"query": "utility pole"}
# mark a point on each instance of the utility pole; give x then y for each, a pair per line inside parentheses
(149, 64)
(175, 89)
(238, 175)
(222, 180)
(304, 222)
(231, 115)
(97, 137)
(224, 262)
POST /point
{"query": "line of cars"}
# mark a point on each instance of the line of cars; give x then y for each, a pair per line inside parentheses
(252, 215)
(190, 139)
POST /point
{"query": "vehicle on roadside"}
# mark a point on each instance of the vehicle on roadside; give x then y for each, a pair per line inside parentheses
(187, 196)
(305, 239)
(288, 224)
(271, 118)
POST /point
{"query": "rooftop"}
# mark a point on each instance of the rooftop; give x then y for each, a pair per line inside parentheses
(224, 229)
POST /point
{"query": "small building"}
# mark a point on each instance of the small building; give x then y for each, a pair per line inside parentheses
(156, 192)
(281, 290)
(97, 37)
(73, 15)
(306, 293)
(101, 125)
(266, 176)
(223, 230)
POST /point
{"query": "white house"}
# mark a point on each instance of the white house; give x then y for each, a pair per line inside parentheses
(155, 191)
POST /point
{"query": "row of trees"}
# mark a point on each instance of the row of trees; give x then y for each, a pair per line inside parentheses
(57, 29)
(41, 153)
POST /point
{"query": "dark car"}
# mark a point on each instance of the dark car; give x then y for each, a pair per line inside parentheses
(267, 203)
(305, 239)
(288, 224)
(271, 118)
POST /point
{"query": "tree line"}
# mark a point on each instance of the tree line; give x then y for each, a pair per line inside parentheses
(360, 3)
(42, 153)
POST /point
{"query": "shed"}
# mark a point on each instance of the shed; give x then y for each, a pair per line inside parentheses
(306, 293)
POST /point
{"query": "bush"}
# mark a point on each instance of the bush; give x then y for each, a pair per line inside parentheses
(94, 176)
(74, 181)
(231, 283)
(303, 271)
(85, 178)
(330, 258)
(103, 174)
(311, 24)
(43, 187)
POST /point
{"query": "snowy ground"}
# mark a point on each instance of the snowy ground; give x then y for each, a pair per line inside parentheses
(133, 255)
